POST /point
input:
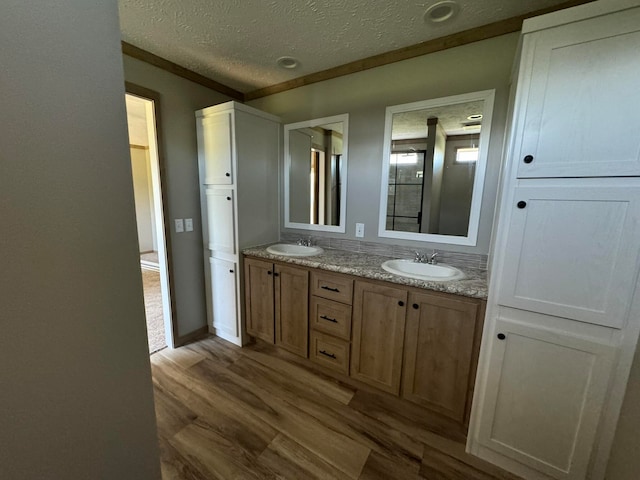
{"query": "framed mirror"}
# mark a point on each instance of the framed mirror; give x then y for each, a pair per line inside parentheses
(315, 174)
(433, 168)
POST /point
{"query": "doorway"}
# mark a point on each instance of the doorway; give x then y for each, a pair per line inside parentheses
(146, 170)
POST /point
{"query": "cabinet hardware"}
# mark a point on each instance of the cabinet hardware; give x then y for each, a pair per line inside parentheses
(528, 159)
(228, 198)
(230, 271)
(521, 204)
(276, 274)
(501, 336)
(330, 355)
(269, 272)
(401, 303)
(324, 317)
(416, 306)
(324, 287)
(227, 174)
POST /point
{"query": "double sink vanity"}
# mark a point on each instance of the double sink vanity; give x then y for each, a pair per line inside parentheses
(407, 328)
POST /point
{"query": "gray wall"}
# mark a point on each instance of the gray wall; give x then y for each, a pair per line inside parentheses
(179, 100)
(75, 386)
(365, 95)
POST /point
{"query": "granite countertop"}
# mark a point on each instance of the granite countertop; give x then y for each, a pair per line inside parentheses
(366, 265)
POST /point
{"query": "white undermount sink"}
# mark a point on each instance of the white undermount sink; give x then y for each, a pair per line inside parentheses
(294, 250)
(423, 271)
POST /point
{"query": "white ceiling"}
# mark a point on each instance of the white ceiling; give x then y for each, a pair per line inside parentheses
(237, 42)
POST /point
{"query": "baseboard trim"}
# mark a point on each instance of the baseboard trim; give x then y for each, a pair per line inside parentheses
(191, 337)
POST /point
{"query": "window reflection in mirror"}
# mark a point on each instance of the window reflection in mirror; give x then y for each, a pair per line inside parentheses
(434, 168)
(315, 171)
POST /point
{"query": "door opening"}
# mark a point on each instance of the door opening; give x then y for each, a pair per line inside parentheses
(146, 171)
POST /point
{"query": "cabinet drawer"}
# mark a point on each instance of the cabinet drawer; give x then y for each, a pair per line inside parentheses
(331, 317)
(329, 352)
(333, 287)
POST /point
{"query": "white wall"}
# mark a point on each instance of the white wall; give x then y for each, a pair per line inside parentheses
(179, 100)
(75, 387)
(365, 95)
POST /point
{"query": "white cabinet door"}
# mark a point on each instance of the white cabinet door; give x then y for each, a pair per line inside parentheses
(543, 399)
(220, 221)
(215, 144)
(223, 294)
(583, 99)
(573, 251)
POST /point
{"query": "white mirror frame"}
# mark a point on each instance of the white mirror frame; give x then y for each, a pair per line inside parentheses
(341, 228)
(478, 183)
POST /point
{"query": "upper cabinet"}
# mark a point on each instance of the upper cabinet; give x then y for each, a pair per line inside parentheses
(215, 148)
(583, 75)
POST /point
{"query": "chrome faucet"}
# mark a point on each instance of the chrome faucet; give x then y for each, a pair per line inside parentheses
(432, 259)
(304, 243)
(423, 258)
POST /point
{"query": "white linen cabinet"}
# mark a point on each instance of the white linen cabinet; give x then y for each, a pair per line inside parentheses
(238, 158)
(563, 313)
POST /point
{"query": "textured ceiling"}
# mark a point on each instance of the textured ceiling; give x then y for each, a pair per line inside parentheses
(452, 119)
(237, 42)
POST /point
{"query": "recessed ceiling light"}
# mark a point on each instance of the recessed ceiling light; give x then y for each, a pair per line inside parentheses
(287, 62)
(441, 11)
(475, 116)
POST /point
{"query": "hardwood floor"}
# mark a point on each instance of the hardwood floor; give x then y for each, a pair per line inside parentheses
(258, 412)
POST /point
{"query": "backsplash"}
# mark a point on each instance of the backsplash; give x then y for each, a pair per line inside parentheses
(456, 259)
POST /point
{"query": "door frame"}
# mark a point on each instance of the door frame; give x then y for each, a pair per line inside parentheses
(171, 335)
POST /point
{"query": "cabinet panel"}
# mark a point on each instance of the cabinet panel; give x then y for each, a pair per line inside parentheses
(330, 317)
(583, 100)
(378, 335)
(543, 397)
(292, 308)
(329, 352)
(215, 141)
(258, 276)
(573, 252)
(223, 294)
(220, 220)
(438, 353)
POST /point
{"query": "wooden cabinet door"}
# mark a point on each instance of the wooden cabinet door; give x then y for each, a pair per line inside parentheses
(580, 93)
(258, 277)
(220, 221)
(543, 397)
(292, 308)
(438, 355)
(378, 335)
(573, 250)
(215, 148)
(223, 294)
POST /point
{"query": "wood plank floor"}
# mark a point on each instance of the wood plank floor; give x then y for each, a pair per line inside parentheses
(257, 412)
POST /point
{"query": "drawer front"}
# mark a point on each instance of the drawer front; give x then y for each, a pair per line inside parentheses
(331, 317)
(329, 352)
(333, 287)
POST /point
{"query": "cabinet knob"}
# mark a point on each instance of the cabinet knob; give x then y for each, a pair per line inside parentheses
(521, 204)
(401, 303)
(276, 274)
(230, 271)
(416, 306)
(269, 272)
(227, 174)
(528, 159)
(501, 336)
(228, 198)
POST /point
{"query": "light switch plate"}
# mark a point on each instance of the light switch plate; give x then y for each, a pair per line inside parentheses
(188, 224)
(359, 230)
(179, 225)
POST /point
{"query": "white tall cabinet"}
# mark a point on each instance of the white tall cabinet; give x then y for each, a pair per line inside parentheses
(563, 313)
(238, 157)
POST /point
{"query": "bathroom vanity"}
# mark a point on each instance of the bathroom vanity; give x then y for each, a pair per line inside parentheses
(415, 339)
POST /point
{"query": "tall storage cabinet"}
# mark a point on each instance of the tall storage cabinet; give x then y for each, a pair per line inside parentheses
(563, 315)
(238, 158)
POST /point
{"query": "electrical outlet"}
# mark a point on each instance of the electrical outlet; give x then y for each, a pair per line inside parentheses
(179, 225)
(188, 224)
(359, 230)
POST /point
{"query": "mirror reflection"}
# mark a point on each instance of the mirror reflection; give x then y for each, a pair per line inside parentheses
(432, 166)
(315, 174)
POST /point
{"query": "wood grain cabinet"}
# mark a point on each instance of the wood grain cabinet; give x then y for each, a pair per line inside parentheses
(378, 334)
(439, 356)
(277, 305)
